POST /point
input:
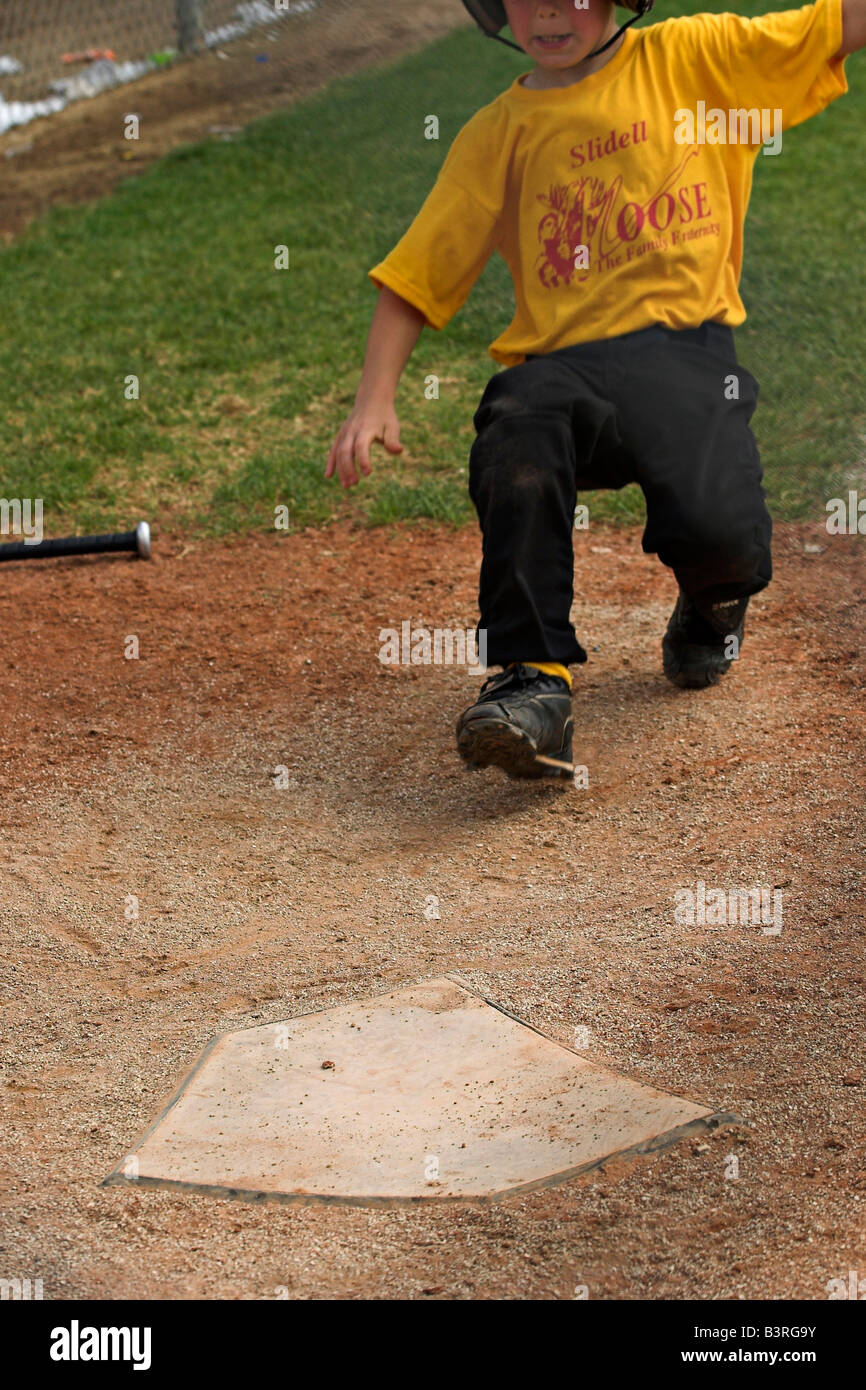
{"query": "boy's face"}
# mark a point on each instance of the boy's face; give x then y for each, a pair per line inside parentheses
(559, 33)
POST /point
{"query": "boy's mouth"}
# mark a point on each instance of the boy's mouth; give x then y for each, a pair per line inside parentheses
(552, 41)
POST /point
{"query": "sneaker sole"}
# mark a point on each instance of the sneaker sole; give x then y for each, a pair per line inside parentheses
(494, 743)
(694, 680)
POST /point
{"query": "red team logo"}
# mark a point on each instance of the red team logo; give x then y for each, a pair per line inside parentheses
(615, 230)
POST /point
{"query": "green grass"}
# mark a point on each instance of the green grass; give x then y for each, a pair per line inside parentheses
(246, 372)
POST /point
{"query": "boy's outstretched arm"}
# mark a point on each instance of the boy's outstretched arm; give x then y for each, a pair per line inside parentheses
(853, 27)
(395, 330)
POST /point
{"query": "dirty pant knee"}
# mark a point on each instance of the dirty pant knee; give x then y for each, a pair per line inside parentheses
(522, 483)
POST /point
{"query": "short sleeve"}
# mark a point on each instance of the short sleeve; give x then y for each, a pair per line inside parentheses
(438, 260)
(786, 61)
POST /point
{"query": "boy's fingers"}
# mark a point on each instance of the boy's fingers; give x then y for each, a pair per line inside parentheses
(362, 449)
(348, 473)
(354, 447)
(334, 456)
(345, 466)
(392, 438)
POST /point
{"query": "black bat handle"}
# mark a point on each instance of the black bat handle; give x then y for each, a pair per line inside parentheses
(139, 540)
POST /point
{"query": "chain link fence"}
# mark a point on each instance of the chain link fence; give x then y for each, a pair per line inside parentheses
(53, 51)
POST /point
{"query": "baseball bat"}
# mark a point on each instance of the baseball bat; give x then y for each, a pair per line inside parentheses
(138, 540)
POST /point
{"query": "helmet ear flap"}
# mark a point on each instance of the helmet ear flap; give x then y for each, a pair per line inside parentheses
(489, 15)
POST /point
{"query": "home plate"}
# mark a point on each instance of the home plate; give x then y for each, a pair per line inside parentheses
(427, 1092)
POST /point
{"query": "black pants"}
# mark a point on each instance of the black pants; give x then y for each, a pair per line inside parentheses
(649, 407)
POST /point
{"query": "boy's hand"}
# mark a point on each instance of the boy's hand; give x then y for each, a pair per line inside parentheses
(370, 420)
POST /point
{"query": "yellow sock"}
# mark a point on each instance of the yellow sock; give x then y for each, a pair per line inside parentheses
(550, 668)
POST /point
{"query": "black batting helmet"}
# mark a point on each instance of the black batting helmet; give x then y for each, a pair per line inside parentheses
(490, 16)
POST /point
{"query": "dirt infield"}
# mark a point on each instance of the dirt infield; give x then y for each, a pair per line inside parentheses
(80, 153)
(154, 778)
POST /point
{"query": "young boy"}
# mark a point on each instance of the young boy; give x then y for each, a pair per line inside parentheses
(613, 179)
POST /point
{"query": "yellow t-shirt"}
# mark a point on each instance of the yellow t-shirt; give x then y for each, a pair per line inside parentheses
(609, 209)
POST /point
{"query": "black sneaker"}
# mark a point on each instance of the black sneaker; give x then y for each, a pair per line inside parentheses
(694, 645)
(520, 722)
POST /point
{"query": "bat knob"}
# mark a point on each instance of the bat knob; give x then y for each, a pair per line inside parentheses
(142, 539)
